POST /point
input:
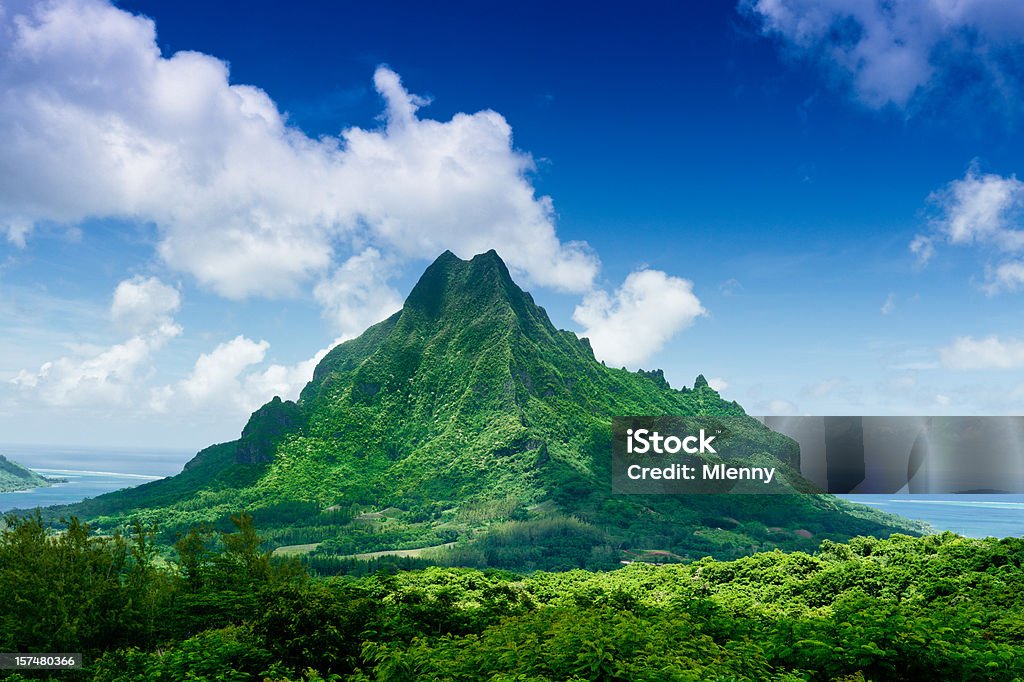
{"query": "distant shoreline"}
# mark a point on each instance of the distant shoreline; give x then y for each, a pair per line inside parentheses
(86, 472)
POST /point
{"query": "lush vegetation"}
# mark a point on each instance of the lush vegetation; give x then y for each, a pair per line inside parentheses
(220, 607)
(13, 477)
(471, 436)
(468, 417)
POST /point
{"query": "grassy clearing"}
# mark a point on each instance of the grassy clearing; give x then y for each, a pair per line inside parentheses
(288, 550)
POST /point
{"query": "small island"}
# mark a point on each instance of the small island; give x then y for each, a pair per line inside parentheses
(14, 477)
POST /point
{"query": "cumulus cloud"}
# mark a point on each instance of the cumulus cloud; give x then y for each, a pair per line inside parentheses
(215, 375)
(967, 352)
(981, 210)
(891, 52)
(96, 122)
(109, 376)
(231, 377)
(1007, 276)
(286, 381)
(143, 303)
(633, 323)
(357, 294)
(718, 383)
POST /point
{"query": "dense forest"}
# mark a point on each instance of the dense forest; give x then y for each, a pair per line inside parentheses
(222, 607)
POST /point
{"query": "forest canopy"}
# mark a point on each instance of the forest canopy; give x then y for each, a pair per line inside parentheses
(222, 607)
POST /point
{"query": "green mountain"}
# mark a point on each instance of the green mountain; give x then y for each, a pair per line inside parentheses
(13, 477)
(468, 423)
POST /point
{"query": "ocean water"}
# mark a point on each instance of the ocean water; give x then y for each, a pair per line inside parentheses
(89, 471)
(975, 516)
(94, 471)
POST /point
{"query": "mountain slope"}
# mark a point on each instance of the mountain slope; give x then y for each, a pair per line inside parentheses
(467, 416)
(13, 477)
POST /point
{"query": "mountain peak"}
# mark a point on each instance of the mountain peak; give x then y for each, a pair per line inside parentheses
(448, 260)
(469, 285)
(470, 400)
(447, 257)
(489, 255)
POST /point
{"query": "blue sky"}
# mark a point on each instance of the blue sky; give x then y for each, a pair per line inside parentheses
(815, 204)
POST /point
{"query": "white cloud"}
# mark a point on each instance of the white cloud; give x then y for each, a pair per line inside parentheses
(228, 377)
(894, 51)
(923, 247)
(991, 352)
(982, 210)
(215, 376)
(110, 376)
(890, 305)
(283, 380)
(425, 186)
(16, 229)
(1008, 276)
(357, 295)
(97, 123)
(160, 398)
(141, 304)
(225, 378)
(629, 326)
(718, 383)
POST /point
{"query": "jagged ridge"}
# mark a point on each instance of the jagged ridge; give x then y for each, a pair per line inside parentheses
(465, 409)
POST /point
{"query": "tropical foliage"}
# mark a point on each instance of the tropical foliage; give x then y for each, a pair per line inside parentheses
(465, 438)
(469, 418)
(222, 608)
